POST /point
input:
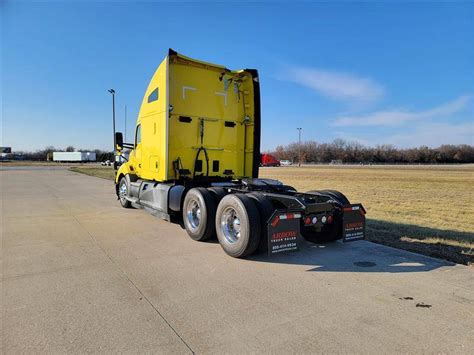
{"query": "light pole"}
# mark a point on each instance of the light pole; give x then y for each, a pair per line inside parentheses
(299, 145)
(112, 91)
(125, 130)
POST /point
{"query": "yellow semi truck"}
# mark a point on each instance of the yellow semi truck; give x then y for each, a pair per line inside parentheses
(195, 158)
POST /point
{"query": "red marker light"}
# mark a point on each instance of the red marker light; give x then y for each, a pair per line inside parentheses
(329, 219)
(275, 221)
(307, 221)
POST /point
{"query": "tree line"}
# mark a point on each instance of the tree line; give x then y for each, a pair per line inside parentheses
(353, 152)
(314, 152)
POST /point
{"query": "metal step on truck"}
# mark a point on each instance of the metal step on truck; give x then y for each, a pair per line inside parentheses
(195, 159)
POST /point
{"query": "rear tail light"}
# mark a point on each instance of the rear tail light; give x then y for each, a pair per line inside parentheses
(313, 220)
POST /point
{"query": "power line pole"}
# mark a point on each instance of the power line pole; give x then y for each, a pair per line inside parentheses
(112, 91)
(299, 146)
(125, 130)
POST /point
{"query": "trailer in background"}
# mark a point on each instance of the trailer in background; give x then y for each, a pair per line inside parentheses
(74, 156)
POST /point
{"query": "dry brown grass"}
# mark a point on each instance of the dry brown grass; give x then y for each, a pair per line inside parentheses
(104, 172)
(425, 209)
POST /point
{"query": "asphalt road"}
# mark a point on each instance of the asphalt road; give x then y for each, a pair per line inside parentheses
(81, 274)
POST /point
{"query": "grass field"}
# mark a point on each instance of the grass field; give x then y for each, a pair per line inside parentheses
(104, 172)
(425, 209)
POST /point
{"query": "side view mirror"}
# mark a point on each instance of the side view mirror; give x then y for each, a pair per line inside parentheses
(119, 139)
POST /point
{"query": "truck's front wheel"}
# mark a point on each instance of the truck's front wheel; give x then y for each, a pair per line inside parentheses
(199, 211)
(122, 193)
(238, 225)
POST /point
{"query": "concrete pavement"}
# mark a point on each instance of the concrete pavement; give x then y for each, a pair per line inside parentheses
(82, 274)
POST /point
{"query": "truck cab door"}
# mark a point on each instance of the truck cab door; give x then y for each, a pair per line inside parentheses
(137, 153)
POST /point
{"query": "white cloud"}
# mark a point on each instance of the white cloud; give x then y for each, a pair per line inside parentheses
(397, 117)
(336, 85)
(421, 133)
(434, 135)
(350, 137)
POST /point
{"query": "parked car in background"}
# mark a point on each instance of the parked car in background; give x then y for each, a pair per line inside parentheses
(106, 163)
(286, 162)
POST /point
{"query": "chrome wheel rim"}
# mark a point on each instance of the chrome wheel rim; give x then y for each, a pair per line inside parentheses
(230, 225)
(193, 213)
(123, 192)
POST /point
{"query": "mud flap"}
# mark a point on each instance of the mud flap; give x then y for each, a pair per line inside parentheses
(353, 227)
(283, 231)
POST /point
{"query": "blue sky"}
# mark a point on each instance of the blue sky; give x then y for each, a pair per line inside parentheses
(376, 73)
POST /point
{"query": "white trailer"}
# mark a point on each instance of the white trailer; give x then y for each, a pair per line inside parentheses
(74, 156)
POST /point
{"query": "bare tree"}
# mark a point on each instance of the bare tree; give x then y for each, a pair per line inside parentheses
(353, 152)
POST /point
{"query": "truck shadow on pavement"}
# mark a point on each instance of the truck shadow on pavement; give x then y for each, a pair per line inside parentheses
(366, 257)
(361, 256)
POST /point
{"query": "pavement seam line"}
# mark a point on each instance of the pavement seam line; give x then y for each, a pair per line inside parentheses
(134, 285)
(123, 273)
(51, 189)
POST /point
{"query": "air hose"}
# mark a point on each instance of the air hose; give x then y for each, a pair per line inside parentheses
(196, 160)
(201, 148)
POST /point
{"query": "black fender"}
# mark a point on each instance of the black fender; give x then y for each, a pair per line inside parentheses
(175, 197)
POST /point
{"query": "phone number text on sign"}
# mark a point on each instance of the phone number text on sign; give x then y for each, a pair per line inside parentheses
(284, 247)
(283, 241)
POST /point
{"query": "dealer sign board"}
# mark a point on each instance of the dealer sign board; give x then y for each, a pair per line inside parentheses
(353, 227)
(283, 232)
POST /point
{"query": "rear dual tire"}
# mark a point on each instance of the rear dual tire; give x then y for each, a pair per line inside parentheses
(218, 192)
(334, 195)
(199, 211)
(265, 209)
(238, 220)
(238, 225)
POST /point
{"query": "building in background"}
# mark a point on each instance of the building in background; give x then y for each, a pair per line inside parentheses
(74, 156)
